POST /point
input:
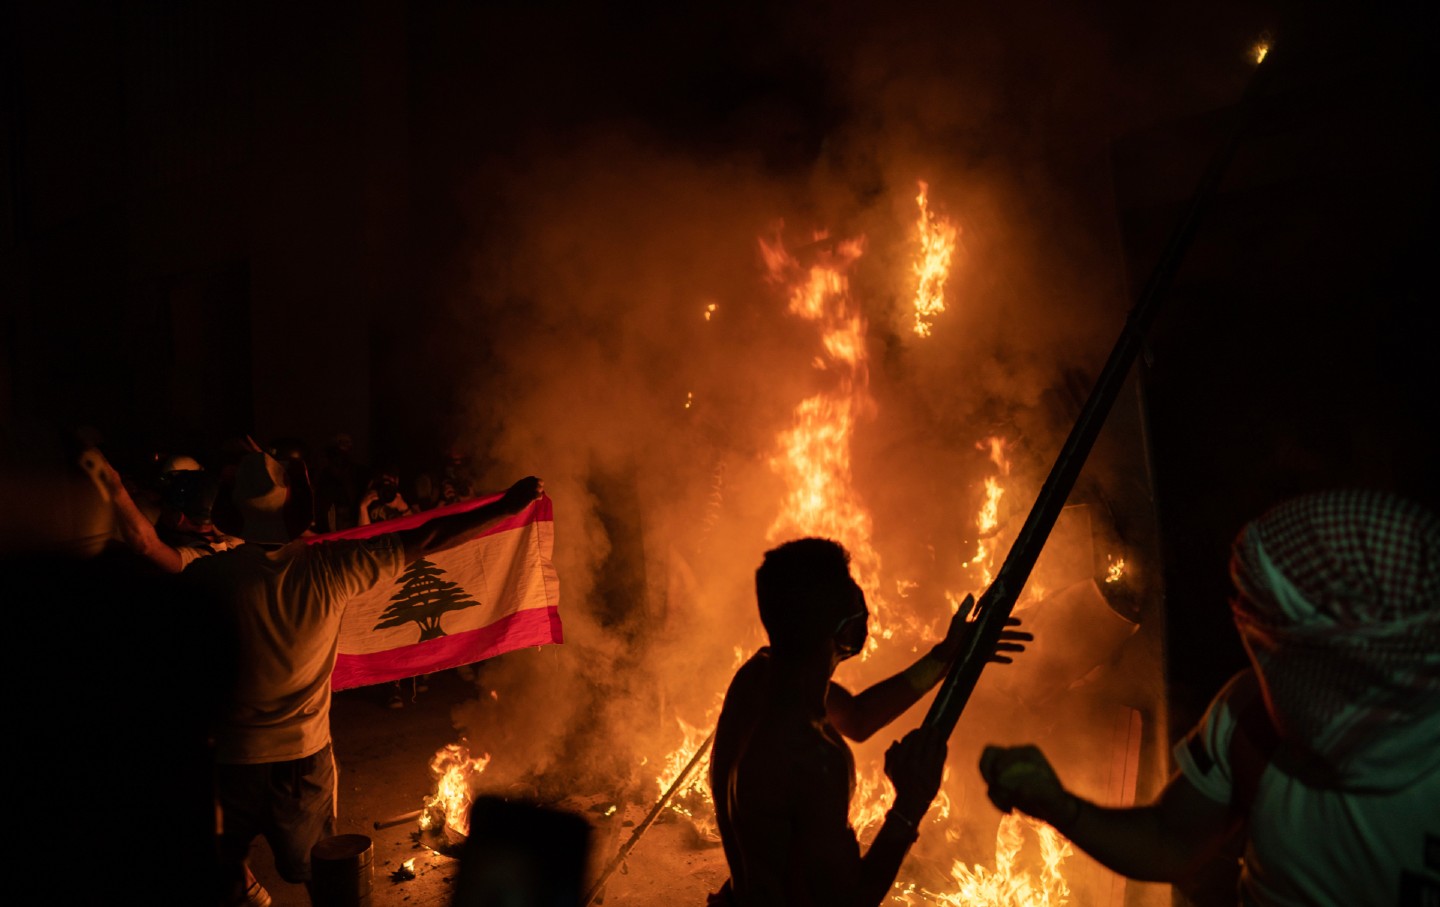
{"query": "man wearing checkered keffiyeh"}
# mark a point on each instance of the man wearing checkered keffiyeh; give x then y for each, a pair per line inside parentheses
(1339, 608)
(1327, 750)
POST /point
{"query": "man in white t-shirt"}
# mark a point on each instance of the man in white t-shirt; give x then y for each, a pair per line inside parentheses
(280, 600)
(1326, 751)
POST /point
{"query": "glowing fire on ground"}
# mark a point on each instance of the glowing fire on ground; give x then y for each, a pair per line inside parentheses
(932, 264)
(692, 799)
(1008, 885)
(456, 772)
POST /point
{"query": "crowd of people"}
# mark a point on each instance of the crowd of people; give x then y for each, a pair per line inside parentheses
(212, 620)
(1324, 754)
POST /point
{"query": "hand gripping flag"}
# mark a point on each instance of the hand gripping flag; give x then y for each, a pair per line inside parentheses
(493, 594)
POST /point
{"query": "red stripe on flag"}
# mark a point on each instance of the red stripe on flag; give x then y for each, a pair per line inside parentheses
(531, 627)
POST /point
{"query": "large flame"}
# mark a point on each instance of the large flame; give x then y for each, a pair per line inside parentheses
(813, 459)
(813, 455)
(932, 264)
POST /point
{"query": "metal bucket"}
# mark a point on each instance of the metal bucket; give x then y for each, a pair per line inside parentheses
(342, 871)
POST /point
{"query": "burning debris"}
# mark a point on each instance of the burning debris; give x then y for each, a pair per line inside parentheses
(444, 820)
(405, 872)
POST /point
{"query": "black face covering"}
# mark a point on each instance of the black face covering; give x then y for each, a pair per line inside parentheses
(850, 634)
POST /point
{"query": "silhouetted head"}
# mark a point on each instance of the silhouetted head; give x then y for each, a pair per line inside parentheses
(807, 598)
(273, 500)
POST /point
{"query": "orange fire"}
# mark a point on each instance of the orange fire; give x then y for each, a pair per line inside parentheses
(692, 799)
(813, 457)
(1116, 569)
(987, 521)
(813, 460)
(932, 265)
(1008, 885)
(456, 773)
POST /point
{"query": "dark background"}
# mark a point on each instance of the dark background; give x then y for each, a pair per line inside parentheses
(230, 218)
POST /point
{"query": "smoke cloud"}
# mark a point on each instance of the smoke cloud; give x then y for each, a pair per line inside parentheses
(636, 358)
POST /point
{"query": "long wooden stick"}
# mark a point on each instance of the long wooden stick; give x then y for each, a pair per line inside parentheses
(649, 819)
(999, 600)
(400, 819)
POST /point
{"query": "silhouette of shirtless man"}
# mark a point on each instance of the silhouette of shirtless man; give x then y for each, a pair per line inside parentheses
(782, 775)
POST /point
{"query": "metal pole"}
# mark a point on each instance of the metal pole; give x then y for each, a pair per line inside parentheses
(998, 601)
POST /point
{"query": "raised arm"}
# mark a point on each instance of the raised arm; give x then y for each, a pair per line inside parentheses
(1163, 842)
(135, 529)
(442, 533)
(859, 715)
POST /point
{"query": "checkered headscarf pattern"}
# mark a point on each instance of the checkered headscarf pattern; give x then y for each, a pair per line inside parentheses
(1339, 607)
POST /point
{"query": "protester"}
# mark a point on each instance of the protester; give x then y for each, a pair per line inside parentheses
(382, 499)
(781, 774)
(127, 667)
(338, 486)
(1326, 750)
(280, 600)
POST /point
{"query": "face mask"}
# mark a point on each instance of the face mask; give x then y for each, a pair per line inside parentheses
(851, 632)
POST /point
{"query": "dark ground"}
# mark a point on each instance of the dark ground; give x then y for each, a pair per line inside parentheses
(384, 757)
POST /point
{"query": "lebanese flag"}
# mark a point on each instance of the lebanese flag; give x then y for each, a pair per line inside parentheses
(491, 595)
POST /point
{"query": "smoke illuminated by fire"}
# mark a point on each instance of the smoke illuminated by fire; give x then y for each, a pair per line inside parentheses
(794, 468)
